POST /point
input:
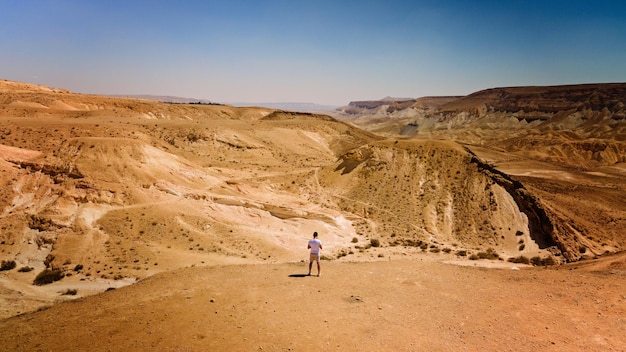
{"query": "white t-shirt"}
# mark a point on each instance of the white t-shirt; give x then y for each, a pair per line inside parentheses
(315, 245)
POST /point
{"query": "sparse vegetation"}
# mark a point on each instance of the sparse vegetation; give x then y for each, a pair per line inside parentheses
(520, 260)
(374, 242)
(70, 292)
(490, 253)
(538, 261)
(7, 265)
(48, 276)
(341, 254)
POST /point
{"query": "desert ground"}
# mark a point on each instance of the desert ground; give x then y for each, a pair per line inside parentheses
(183, 227)
(396, 304)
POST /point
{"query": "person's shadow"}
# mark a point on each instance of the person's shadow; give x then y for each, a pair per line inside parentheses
(298, 275)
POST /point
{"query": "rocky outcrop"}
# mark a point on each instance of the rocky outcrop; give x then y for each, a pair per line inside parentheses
(392, 105)
(547, 100)
(554, 107)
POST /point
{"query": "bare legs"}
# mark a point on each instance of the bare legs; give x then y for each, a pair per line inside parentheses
(318, 268)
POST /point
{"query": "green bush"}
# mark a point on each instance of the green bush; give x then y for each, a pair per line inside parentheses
(48, 276)
(7, 265)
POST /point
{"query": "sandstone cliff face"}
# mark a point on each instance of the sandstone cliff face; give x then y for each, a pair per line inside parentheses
(541, 137)
(546, 100)
(437, 192)
(545, 104)
(585, 122)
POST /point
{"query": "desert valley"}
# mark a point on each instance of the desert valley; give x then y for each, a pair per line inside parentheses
(494, 221)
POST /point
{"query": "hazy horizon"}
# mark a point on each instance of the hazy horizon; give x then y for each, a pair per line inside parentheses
(323, 52)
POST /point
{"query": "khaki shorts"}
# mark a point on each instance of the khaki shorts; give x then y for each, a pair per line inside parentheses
(314, 257)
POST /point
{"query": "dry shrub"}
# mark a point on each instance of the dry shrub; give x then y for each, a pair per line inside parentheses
(548, 261)
(520, 260)
(490, 253)
(412, 243)
(7, 265)
(538, 261)
(48, 276)
(70, 292)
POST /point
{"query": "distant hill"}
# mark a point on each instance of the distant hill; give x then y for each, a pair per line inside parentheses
(390, 105)
(596, 110)
(545, 100)
(298, 107)
(166, 99)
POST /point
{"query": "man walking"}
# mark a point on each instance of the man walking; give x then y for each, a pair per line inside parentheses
(315, 246)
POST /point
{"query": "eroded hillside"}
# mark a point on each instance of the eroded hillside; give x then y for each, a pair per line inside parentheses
(565, 144)
(577, 124)
(437, 194)
(105, 191)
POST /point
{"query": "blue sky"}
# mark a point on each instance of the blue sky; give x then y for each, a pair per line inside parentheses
(327, 52)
